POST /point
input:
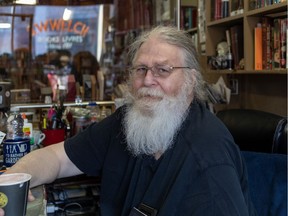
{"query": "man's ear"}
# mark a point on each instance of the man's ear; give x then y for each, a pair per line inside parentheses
(193, 81)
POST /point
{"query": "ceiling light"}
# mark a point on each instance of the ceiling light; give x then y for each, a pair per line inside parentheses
(27, 2)
(67, 14)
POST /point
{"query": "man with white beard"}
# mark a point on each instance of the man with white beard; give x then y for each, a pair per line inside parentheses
(162, 153)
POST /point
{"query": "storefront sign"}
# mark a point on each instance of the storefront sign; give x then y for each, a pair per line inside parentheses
(60, 25)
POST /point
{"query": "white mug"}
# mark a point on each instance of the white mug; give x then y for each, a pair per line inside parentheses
(38, 137)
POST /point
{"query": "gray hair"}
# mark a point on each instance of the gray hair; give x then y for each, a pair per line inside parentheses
(179, 38)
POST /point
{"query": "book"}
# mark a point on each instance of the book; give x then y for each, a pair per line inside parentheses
(283, 41)
(269, 54)
(237, 44)
(217, 10)
(287, 48)
(188, 17)
(276, 44)
(225, 8)
(266, 43)
(258, 47)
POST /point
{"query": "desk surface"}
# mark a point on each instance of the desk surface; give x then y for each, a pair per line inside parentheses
(87, 197)
(38, 206)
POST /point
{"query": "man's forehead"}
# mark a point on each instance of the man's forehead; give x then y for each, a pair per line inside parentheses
(159, 52)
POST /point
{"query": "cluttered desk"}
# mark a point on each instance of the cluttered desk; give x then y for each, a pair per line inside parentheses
(77, 195)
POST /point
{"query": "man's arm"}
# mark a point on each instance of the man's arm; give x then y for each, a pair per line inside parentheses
(46, 164)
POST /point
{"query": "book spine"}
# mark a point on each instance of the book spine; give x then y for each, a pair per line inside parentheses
(194, 17)
(182, 18)
(264, 43)
(237, 44)
(190, 18)
(283, 31)
(217, 10)
(252, 4)
(225, 8)
(258, 47)
(287, 48)
(269, 48)
(276, 44)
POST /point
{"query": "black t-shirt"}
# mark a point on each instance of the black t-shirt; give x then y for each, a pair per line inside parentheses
(202, 174)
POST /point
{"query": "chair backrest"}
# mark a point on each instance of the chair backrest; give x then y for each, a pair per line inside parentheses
(280, 137)
(267, 179)
(255, 130)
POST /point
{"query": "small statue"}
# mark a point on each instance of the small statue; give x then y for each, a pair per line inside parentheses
(220, 61)
(222, 49)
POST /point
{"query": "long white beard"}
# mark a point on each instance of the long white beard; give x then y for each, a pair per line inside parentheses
(151, 126)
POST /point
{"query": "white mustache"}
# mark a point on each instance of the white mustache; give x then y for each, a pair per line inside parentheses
(149, 92)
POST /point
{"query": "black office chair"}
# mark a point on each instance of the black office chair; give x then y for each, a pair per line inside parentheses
(255, 130)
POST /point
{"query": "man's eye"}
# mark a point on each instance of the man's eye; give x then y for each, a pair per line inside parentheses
(141, 69)
(163, 70)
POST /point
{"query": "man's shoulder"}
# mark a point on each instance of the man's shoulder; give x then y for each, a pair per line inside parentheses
(208, 140)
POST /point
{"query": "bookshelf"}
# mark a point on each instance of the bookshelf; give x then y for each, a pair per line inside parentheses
(264, 89)
(189, 20)
(248, 19)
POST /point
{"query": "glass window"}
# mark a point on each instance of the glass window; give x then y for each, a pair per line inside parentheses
(48, 40)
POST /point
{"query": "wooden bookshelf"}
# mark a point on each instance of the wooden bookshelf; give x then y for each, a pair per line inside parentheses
(215, 29)
(258, 89)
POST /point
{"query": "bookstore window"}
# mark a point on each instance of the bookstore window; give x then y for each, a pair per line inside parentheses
(46, 48)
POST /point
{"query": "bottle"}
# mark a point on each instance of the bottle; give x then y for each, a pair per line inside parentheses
(230, 61)
(28, 129)
(94, 112)
(15, 125)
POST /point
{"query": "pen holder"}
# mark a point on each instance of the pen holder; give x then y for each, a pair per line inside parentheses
(53, 136)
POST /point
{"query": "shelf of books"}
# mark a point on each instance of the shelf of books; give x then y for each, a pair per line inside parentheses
(247, 36)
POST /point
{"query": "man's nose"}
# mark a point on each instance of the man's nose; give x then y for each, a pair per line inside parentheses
(149, 78)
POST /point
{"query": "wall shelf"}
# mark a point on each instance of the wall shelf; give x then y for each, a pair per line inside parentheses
(258, 89)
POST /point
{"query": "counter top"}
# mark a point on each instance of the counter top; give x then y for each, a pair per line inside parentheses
(38, 206)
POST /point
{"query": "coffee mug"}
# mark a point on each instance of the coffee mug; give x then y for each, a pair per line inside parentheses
(13, 150)
(39, 136)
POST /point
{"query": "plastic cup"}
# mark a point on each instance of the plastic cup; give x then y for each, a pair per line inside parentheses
(13, 193)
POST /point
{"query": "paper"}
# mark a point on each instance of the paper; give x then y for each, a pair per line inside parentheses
(219, 92)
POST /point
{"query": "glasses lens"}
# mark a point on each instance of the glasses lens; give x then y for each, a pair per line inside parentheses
(162, 71)
(139, 71)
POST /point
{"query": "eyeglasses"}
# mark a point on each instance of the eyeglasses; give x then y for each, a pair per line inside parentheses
(162, 71)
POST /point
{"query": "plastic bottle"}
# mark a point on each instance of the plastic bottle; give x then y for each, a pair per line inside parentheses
(28, 129)
(15, 125)
(94, 112)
